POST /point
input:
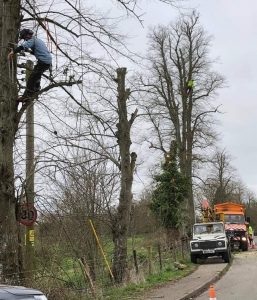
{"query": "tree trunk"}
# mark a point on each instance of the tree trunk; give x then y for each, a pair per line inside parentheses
(178, 54)
(127, 165)
(185, 152)
(9, 24)
(191, 204)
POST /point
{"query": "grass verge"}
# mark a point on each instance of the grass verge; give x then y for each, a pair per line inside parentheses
(136, 291)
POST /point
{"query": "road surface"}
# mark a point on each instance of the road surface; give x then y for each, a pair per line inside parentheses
(183, 288)
(239, 283)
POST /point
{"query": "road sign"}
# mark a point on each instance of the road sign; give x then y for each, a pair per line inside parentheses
(31, 235)
(27, 214)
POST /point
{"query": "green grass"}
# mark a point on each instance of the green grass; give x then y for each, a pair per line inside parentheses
(152, 281)
(71, 273)
(137, 242)
(71, 276)
(132, 290)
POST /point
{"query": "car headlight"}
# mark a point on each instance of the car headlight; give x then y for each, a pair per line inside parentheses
(221, 244)
(195, 245)
(41, 297)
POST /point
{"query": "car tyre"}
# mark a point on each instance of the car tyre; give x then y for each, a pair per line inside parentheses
(244, 246)
(193, 258)
(227, 256)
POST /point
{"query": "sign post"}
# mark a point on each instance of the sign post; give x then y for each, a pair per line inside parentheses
(27, 214)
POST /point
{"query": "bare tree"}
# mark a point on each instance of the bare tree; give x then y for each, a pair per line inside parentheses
(85, 191)
(107, 134)
(121, 219)
(10, 19)
(222, 182)
(65, 32)
(178, 54)
(10, 116)
(251, 210)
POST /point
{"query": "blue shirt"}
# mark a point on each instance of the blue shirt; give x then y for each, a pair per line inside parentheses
(39, 49)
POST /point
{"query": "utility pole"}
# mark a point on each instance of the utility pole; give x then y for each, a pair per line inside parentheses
(30, 232)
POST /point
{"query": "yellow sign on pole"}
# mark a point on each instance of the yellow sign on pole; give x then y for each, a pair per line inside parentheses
(31, 235)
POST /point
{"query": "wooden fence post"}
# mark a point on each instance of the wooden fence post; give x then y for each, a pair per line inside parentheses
(87, 276)
(135, 261)
(182, 248)
(174, 250)
(149, 249)
(160, 256)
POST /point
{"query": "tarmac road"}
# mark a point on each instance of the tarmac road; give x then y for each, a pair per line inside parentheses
(193, 284)
(231, 282)
(239, 283)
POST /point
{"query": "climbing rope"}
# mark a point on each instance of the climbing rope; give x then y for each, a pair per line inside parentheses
(49, 41)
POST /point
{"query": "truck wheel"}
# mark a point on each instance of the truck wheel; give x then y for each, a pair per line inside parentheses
(193, 258)
(244, 246)
(227, 256)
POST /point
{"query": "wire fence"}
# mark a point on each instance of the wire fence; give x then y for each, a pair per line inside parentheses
(86, 278)
(74, 262)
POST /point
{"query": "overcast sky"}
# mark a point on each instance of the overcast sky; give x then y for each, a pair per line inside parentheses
(233, 25)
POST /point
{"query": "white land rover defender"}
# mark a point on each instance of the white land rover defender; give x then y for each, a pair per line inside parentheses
(209, 239)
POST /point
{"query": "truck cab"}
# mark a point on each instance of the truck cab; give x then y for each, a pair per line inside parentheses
(209, 239)
(233, 216)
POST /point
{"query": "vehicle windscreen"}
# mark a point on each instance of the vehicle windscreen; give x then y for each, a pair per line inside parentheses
(208, 228)
(234, 219)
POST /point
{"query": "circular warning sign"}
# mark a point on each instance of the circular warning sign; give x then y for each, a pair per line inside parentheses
(27, 214)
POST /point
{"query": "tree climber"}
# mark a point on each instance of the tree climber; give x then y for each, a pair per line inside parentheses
(44, 61)
(190, 86)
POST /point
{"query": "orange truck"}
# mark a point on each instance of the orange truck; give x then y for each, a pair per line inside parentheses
(233, 216)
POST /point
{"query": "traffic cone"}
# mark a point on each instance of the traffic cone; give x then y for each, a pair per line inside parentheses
(212, 293)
